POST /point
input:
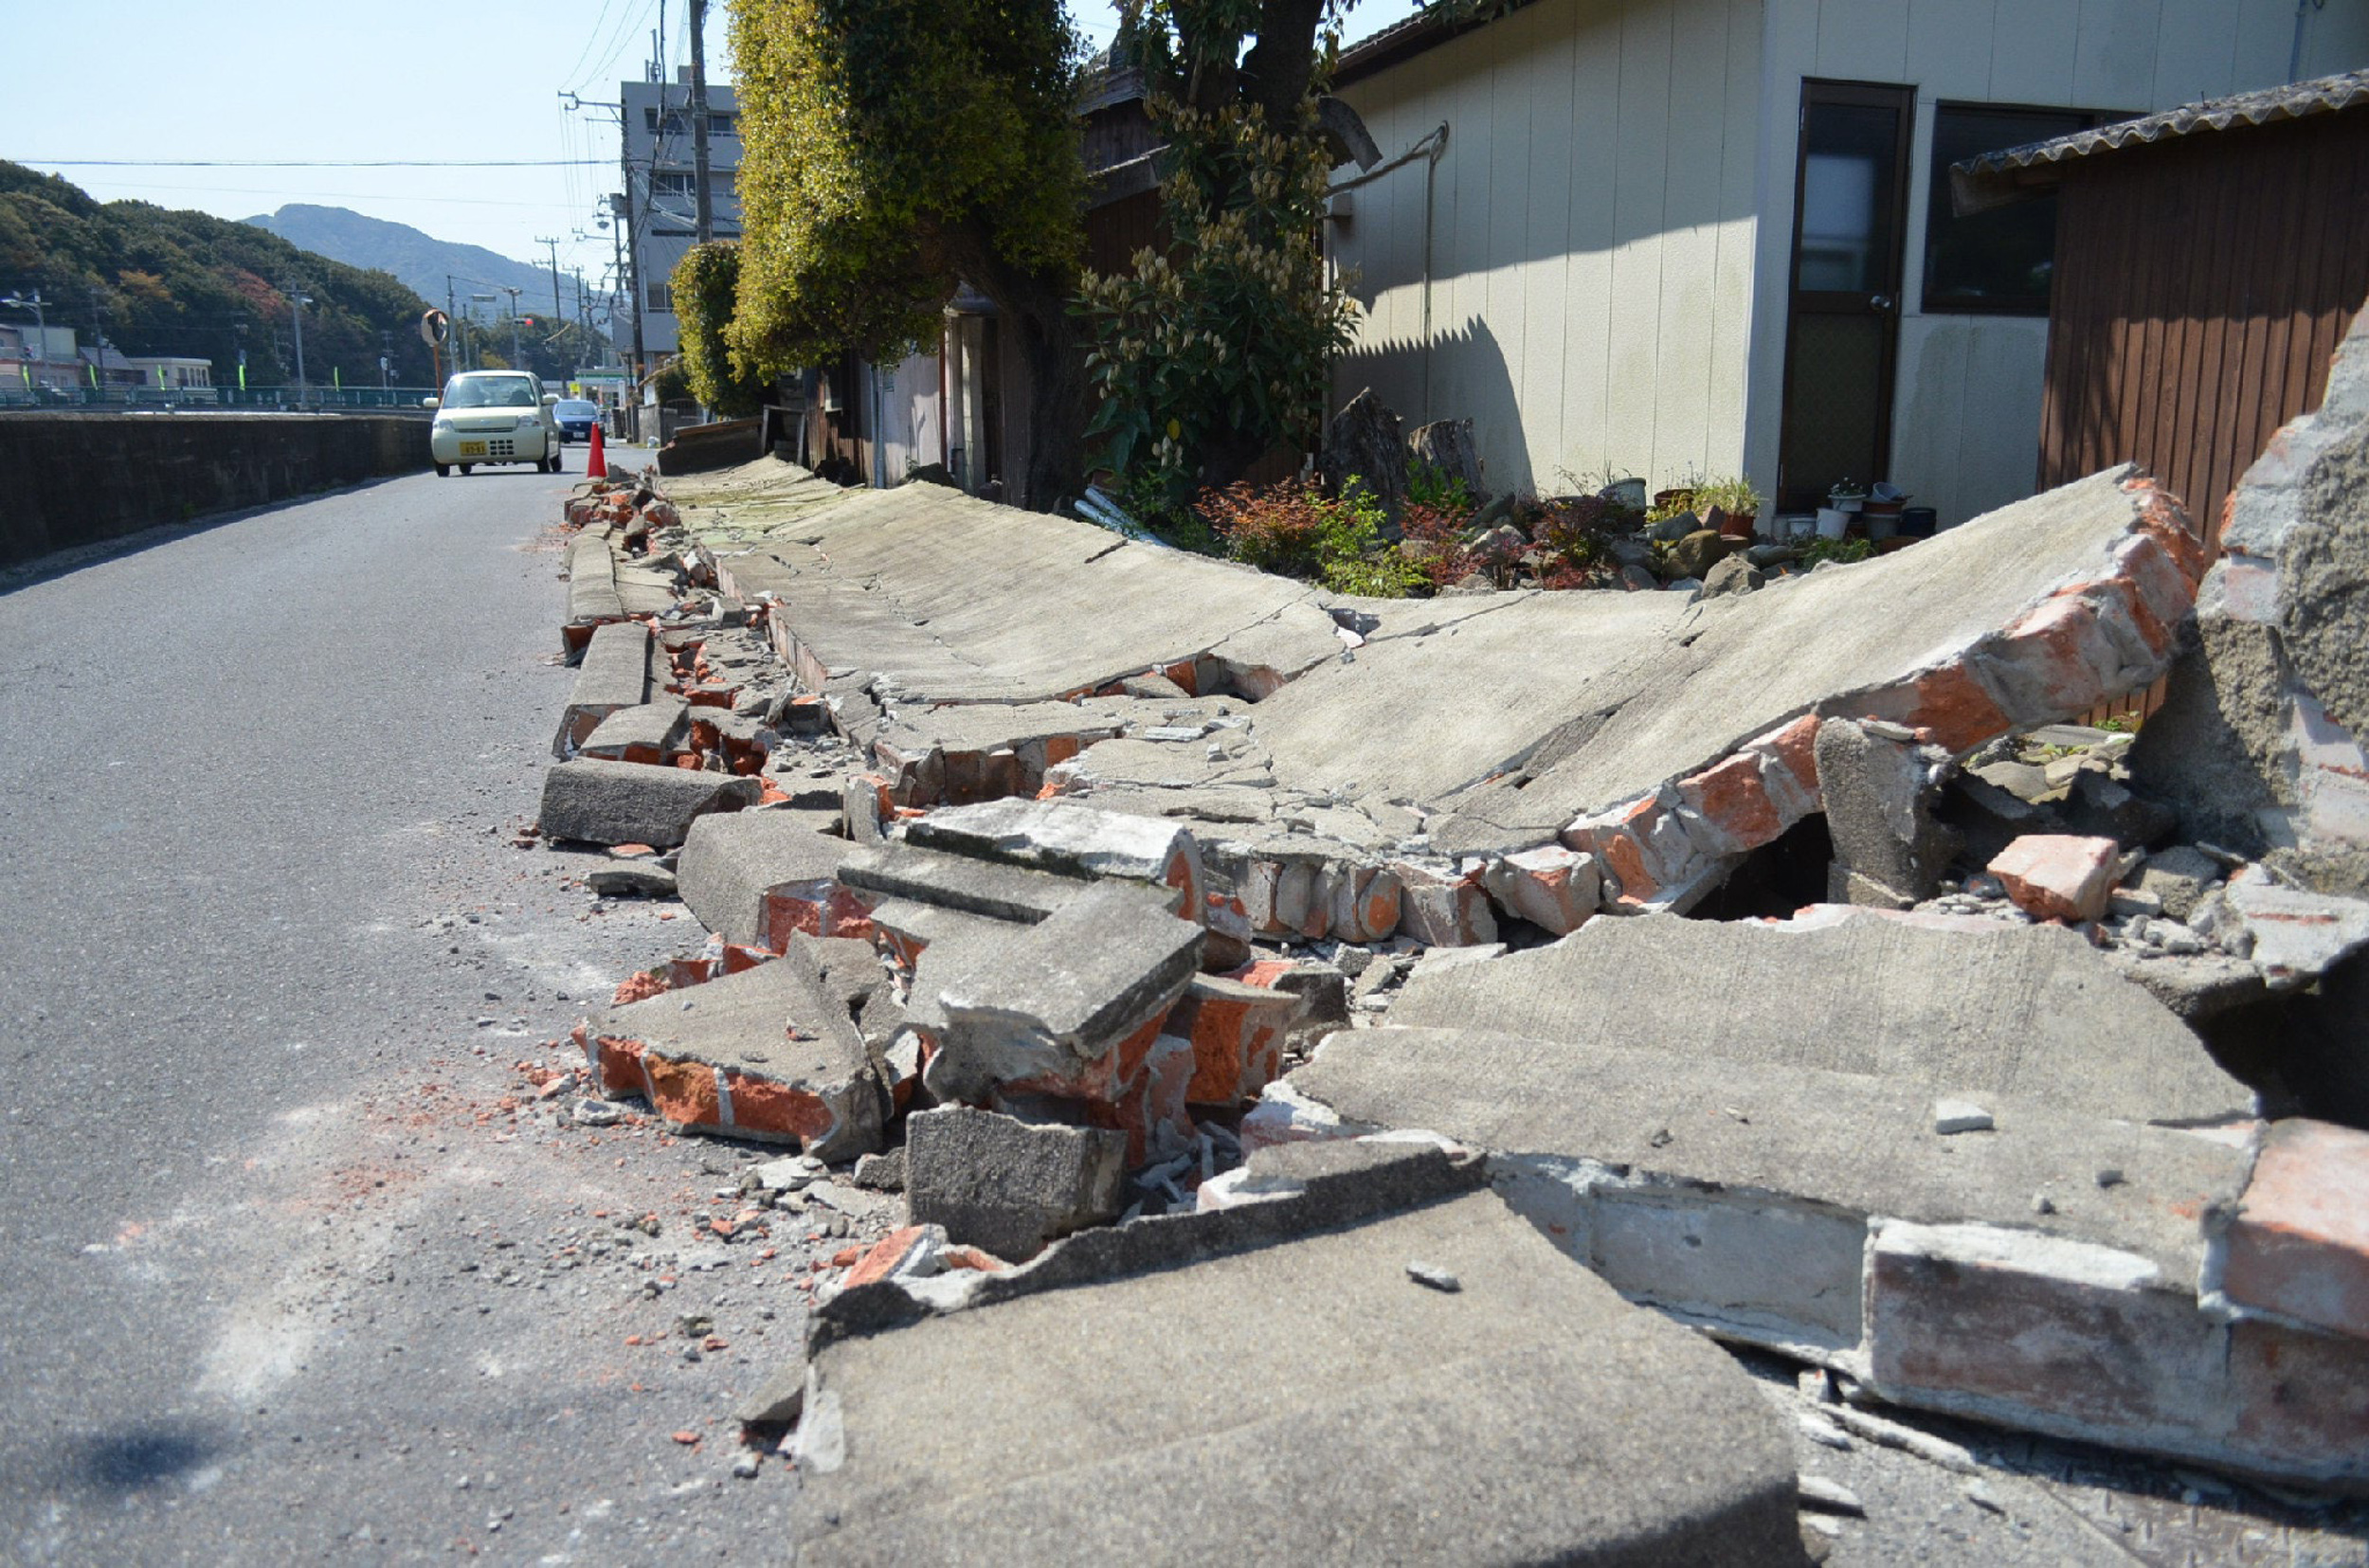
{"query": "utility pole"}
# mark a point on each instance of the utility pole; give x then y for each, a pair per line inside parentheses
(703, 209)
(557, 314)
(296, 301)
(516, 363)
(452, 319)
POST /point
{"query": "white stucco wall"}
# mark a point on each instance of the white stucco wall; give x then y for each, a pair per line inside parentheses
(1591, 243)
(1612, 217)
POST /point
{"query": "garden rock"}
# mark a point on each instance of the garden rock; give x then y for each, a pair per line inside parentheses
(1447, 445)
(1734, 575)
(1697, 552)
(1364, 441)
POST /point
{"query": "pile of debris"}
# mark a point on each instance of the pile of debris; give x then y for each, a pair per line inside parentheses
(1173, 983)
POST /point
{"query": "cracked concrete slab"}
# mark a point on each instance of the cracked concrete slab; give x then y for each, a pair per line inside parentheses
(1344, 1413)
(2026, 1010)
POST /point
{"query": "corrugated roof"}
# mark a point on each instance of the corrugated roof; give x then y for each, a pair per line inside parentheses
(1996, 178)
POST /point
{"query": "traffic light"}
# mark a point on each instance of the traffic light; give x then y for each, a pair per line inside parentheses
(529, 321)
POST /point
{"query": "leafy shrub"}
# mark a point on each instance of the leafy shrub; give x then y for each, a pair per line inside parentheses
(1431, 486)
(1297, 532)
(1435, 543)
(1846, 550)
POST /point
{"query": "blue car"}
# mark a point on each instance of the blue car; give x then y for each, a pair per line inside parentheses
(576, 418)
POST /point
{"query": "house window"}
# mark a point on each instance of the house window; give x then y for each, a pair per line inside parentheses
(673, 182)
(660, 297)
(1997, 261)
(721, 124)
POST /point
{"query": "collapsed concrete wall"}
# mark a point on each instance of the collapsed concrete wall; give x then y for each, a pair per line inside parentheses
(1886, 1141)
(1577, 751)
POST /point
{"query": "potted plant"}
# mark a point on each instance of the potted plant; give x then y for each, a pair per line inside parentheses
(1739, 505)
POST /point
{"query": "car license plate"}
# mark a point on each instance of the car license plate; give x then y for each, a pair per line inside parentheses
(473, 449)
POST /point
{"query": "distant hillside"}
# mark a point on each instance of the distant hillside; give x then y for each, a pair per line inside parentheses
(160, 282)
(419, 259)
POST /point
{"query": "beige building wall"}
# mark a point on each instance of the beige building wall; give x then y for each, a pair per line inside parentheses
(1967, 394)
(1590, 239)
(1610, 224)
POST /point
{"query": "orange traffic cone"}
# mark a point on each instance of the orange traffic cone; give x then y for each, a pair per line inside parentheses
(597, 465)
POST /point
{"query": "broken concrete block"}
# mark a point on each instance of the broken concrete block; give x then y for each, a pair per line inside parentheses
(1985, 1009)
(1360, 1411)
(865, 808)
(1063, 995)
(2042, 1333)
(650, 732)
(2179, 877)
(984, 751)
(1880, 794)
(1443, 909)
(766, 1054)
(616, 672)
(632, 879)
(2262, 737)
(2295, 936)
(1007, 1185)
(2058, 877)
(2298, 1247)
(592, 598)
(988, 887)
(1238, 1033)
(1550, 886)
(755, 877)
(1739, 1198)
(1070, 839)
(606, 803)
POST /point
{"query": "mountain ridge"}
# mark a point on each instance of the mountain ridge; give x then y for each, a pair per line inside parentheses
(415, 256)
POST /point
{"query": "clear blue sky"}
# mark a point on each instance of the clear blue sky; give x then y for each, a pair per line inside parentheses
(148, 83)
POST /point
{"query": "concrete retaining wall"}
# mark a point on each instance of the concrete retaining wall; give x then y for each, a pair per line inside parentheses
(77, 478)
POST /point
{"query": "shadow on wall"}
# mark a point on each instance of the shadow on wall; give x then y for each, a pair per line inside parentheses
(1461, 376)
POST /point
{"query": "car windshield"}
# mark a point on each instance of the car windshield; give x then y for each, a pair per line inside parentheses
(575, 408)
(490, 392)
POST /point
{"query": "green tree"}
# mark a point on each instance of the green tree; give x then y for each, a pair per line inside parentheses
(1207, 354)
(892, 150)
(160, 282)
(705, 284)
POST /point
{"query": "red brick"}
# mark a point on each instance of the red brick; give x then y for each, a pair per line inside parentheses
(684, 1093)
(2299, 1246)
(763, 1106)
(2058, 876)
(886, 1254)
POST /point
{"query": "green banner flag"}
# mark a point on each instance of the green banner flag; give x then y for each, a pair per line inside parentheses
(160, 377)
(337, 377)
(241, 373)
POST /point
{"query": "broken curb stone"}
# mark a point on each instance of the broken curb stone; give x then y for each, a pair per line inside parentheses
(1007, 1185)
(604, 802)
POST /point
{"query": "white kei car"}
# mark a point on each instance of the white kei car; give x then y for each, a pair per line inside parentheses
(493, 416)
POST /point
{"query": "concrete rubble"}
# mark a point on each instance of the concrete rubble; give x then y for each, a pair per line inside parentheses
(1230, 991)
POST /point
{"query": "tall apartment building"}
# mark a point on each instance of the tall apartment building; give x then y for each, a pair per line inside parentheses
(659, 194)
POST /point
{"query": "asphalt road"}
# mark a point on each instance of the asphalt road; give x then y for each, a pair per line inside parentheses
(269, 957)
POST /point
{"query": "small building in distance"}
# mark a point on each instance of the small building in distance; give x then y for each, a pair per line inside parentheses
(2208, 261)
